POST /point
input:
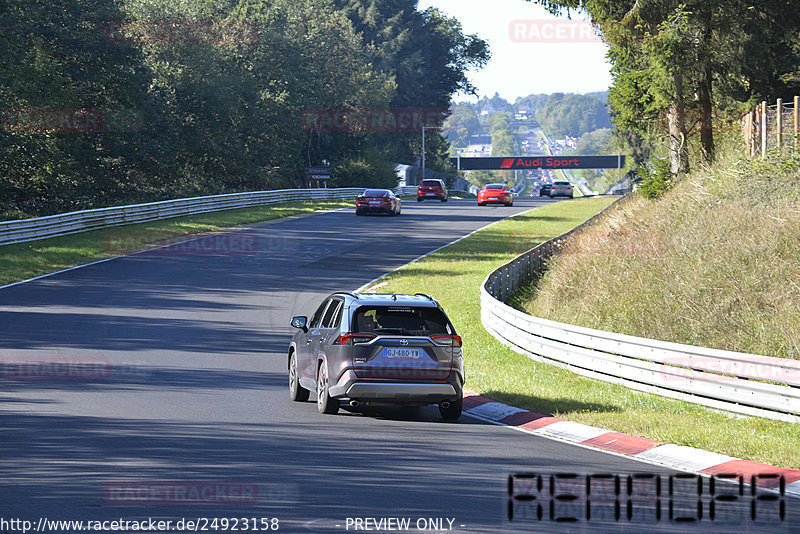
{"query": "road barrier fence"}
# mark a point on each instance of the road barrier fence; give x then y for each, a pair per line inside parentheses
(742, 383)
(22, 230)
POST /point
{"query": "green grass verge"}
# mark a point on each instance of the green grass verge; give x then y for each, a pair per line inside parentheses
(26, 260)
(453, 276)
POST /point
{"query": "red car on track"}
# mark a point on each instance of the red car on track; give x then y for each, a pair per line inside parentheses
(431, 190)
(378, 201)
(495, 193)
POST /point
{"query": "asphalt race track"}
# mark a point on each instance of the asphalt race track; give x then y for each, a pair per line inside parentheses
(187, 414)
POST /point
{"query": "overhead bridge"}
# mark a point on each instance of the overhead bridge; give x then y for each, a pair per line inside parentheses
(539, 162)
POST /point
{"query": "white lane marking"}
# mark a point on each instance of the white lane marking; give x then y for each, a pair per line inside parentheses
(495, 410)
(12, 284)
(453, 242)
(573, 431)
(795, 486)
(687, 457)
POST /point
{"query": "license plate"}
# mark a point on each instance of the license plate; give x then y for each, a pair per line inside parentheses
(406, 353)
(376, 203)
(430, 194)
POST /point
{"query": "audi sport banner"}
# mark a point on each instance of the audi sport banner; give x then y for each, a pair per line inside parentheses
(540, 162)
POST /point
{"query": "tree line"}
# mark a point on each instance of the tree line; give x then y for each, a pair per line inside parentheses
(681, 67)
(109, 102)
(559, 114)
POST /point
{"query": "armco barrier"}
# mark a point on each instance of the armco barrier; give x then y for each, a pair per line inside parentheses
(742, 383)
(80, 221)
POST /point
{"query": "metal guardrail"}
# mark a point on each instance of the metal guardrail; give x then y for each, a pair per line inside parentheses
(742, 383)
(80, 221)
(411, 190)
(23, 230)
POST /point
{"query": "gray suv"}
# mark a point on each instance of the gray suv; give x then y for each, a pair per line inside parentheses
(377, 349)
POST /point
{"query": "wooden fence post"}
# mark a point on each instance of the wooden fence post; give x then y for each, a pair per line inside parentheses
(779, 123)
(764, 129)
(796, 120)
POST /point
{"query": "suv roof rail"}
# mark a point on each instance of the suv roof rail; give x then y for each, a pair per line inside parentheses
(425, 295)
(346, 293)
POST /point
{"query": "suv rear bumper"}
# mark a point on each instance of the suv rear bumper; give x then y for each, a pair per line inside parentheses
(352, 387)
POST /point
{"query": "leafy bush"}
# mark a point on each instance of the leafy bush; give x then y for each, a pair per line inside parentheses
(656, 179)
(370, 170)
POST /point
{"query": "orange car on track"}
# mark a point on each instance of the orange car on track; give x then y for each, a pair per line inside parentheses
(495, 193)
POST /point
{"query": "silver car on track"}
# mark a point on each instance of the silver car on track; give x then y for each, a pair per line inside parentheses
(561, 188)
(377, 349)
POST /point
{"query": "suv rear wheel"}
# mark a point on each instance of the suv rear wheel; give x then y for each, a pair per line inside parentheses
(296, 392)
(325, 404)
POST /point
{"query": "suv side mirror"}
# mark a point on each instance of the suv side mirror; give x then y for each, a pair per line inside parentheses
(301, 321)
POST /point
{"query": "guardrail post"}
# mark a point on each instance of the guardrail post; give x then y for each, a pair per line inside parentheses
(763, 129)
(506, 284)
(779, 123)
(528, 271)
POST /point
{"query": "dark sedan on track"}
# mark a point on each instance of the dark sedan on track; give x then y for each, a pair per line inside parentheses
(378, 201)
(377, 349)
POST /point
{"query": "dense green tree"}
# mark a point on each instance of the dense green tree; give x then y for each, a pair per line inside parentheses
(676, 63)
(184, 114)
(462, 124)
(54, 59)
(533, 101)
(428, 56)
(596, 142)
(572, 115)
(502, 134)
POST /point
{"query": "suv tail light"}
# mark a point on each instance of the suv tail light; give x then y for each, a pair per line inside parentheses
(351, 339)
(455, 341)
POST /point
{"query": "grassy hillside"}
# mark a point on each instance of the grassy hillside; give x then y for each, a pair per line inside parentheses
(714, 262)
(453, 276)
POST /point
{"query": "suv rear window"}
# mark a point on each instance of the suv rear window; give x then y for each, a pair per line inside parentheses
(435, 183)
(401, 320)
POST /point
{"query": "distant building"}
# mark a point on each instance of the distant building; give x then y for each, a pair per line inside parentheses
(488, 110)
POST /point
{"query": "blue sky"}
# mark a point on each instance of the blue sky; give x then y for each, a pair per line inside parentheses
(532, 51)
